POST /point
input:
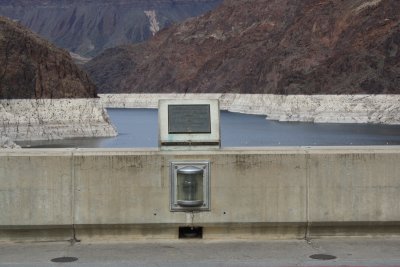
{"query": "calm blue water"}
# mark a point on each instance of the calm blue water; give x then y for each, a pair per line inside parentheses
(139, 128)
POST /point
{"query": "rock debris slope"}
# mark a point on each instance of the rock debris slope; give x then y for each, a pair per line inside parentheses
(266, 47)
(31, 67)
(87, 27)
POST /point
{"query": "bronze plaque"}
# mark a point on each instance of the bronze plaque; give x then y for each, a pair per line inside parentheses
(189, 119)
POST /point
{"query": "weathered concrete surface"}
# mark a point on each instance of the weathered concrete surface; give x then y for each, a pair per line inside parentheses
(36, 188)
(255, 193)
(246, 188)
(35, 195)
(309, 108)
(355, 187)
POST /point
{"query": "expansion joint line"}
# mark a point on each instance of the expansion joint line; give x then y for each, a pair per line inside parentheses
(73, 239)
(308, 223)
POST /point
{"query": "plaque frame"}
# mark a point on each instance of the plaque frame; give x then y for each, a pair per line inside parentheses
(187, 140)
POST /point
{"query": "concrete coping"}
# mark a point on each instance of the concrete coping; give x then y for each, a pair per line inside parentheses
(226, 150)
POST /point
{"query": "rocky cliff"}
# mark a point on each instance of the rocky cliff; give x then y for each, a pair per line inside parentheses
(34, 74)
(49, 119)
(266, 47)
(87, 27)
(31, 67)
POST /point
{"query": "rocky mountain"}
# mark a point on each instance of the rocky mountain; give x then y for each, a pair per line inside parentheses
(265, 46)
(87, 27)
(31, 67)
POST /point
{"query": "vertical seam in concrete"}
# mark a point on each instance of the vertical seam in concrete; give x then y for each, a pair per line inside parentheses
(307, 233)
(73, 194)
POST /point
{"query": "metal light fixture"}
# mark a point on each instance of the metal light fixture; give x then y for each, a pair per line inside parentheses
(189, 186)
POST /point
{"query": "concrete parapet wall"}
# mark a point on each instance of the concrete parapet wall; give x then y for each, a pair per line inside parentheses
(255, 193)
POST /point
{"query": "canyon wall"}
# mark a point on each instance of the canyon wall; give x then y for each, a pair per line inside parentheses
(265, 47)
(31, 67)
(43, 94)
(87, 27)
(48, 119)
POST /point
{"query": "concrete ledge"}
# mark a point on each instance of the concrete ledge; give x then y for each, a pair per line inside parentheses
(361, 229)
(126, 232)
(44, 233)
(223, 231)
(255, 231)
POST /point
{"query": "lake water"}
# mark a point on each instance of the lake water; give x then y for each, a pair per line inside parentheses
(139, 128)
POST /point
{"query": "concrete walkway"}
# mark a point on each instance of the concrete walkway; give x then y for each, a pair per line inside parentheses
(349, 252)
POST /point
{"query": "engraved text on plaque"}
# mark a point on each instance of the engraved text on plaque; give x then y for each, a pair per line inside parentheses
(189, 119)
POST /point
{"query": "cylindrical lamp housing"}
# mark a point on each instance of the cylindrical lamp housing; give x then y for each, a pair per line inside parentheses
(190, 186)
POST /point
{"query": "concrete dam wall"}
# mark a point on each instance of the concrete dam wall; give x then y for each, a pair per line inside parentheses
(99, 194)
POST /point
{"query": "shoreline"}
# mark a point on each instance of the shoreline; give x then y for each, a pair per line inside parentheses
(363, 109)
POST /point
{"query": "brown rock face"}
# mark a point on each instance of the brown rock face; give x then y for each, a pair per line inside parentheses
(266, 46)
(31, 67)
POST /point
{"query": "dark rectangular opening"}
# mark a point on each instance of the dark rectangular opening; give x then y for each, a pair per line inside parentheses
(191, 232)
